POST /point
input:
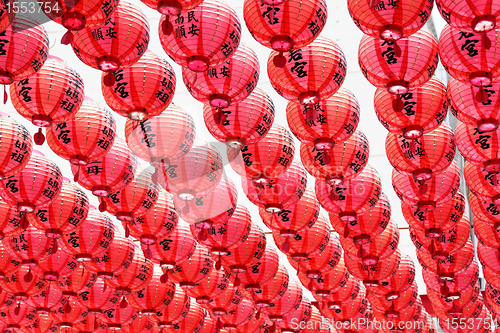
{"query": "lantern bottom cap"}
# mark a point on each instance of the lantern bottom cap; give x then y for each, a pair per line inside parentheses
(169, 7)
(73, 20)
(41, 120)
(483, 23)
(391, 32)
(281, 43)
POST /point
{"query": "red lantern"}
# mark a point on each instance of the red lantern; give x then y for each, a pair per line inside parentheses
(351, 198)
(449, 264)
(26, 49)
(323, 262)
(390, 22)
(479, 148)
(257, 325)
(143, 90)
(349, 310)
(22, 284)
(225, 302)
(399, 282)
(92, 122)
(427, 193)
(191, 271)
(290, 300)
(6, 18)
(238, 316)
(37, 185)
(273, 289)
(168, 135)
(399, 65)
(45, 301)
(156, 295)
(215, 35)
(411, 313)
(176, 311)
(64, 215)
(193, 322)
(174, 248)
(346, 294)
(341, 163)
(475, 108)
(484, 209)
(269, 158)
(418, 111)
(332, 120)
(31, 246)
(309, 74)
(135, 277)
(12, 222)
(42, 324)
(482, 182)
(208, 289)
(78, 281)
(117, 317)
(53, 95)
(158, 222)
(15, 148)
(140, 324)
(121, 250)
(111, 173)
(98, 297)
(472, 16)
(372, 275)
(242, 123)
(196, 173)
(489, 257)
(8, 263)
(463, 64)
(295, 218)
(18, 316)
(467, 298)
(297, 317)
(58, 265)
(91, 239)
(174, 7)
(422, 157)
(486, 232)
(405, 299)
(262, 272)
(230, 82)
(127, 42)
(284, 26)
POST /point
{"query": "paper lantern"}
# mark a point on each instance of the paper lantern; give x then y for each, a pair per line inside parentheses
(449, 264)
(15, 148)
(349, 310)
(323, 262)
(209, 288)
(273, 289)
(489, 257)
(117, 317)
(193, 322)
(225, 302)
(240, 315)
(12, 222)
(58, 265)
(296, 317)
(176, 311)
(78, 281)
(18, 316)
(8, 262)
(172, 7)
(191, 271)
(372, 275)
(261, 272)
(43, 302)
(31, 246)
(98, 297)
(23, 284)
(290, 300)
(399, 282)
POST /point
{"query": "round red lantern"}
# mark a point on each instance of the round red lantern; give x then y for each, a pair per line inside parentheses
(92, 122)
(193, 322)
(410, 314)
(140, 324)
(351, 198)
(18, 316)
(203, 37)
(332, 120)
(8, 263)
(479, 148)
(240, 315)
(474, 16)
(290, 300)
(346, 294)
(46, 300)
(176, 311)
(281, 192)
(15, 148)
(143, 90)
(372, 275)
(37, 185)
(12, 222)
(390, 21)
(467, 298)
(399, 282)
(117, 43)
(296, 317)
(111, 173)
(63, 215)
(135, 277)
(323, 262)
(348, 310)
(116, 317)
(98, 297)
(489, 257)
(482, 182)
(399, 65)
(427, 193)
(468, 56)
(261, 272)
(6, 17)
(225, 302)
(269, 158)
(208, 289)
(157, 222)
(172, 7)
(450, 263)
(486, 232)
(257, 325)
(484, 209)
(414, 113)
(284, 26)
(242, 123)
(344, 161)
(58, 265)
(91, 239)
(78, 281)
(42, 324)
(154, 296)
(31, 246)
(295, 218)
(191, 271)
(230, 82)
(273, 289)
(23, 284)
(405, 298)
(309, 74)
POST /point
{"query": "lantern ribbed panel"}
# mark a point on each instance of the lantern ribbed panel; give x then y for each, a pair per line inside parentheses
(140, 324)
(58, 265)
(281, 192)
(311, 73)
(172, 7)
(470, 15)
(8, 262)
(230, 82)
(484, 209)
(119, 42)
(78, 281)
(286, 25)
(477, 147)
(473, 312)
(371, 223)
(242, 123)
(92, 238)
(463, 281)
(410, 314)
(443, 217)
(390, 20)
(289, 301)
(489, 257)
(37, 185)
(156, 223)
(262, 272)
(349, 310)
(273, 289)
(143, 90)
(295, 218)
(85, 138)
(115, 259)
(6, 17)
(25, 51)
(103, 13)
(407, 297)
(135, 199)
(347, 294)
(492, 278)
(301, 314)
(193, 322)
(418, 111)
(473, 106)
(316, 317)
(196, 173)
(203, 37)
(453, 263)
(437, 190)
(15, 146)
(169, 135)
(216, 207)
(111, 173)
(240, 315)
(431, 153)
(483, 183)
(331, 120)
(116, 317)
(52, 95)
(225, 302)
(176, 311)
(18, 284)
(154, 296)
(324, 261)
(385, 67)
(135, 277)
(191, 271)
(173, 248)
(467, 298)
(399, 282)
(486, 232)
(42, 324)
(492, 299)
(211, 287)
(10, 220)
(247, 254)
(30, 246)
(353, 197)
(466, 58)
(73, 14)
(98, 297)
(372, 275)
(64, 214)
(326, 283)
(18, 316)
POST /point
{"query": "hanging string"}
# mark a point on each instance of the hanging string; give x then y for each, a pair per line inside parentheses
(486, 42)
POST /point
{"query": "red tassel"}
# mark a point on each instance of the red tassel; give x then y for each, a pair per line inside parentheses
(432, 248)
(17, 309)
(28, 277)
(310, 285)
(361, 252)
(164, 278)
(481, 95)
(412, 145)
(218, 264)
(397, 104)
(67, 307)
(147, 252)
(273, 328)
(123, 303)
(219, 324)
(219, 117)
(326, 158)
(373, 3)
(102, 207)
(486, 41)
(279, 60)
(39, 138)
(316, 304)
(202, 235)
(257, 315)
(127, 230)
(311, 113)
(285, 247)
(5, 96)
(24, 224)
(76, 177)
(397, 50)
(237, 281)
(346, 231)
(185, 209)
(96, 325)
(55, 246)
(167, 26)
(444, 289)
(109, 79)
(67, 38)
